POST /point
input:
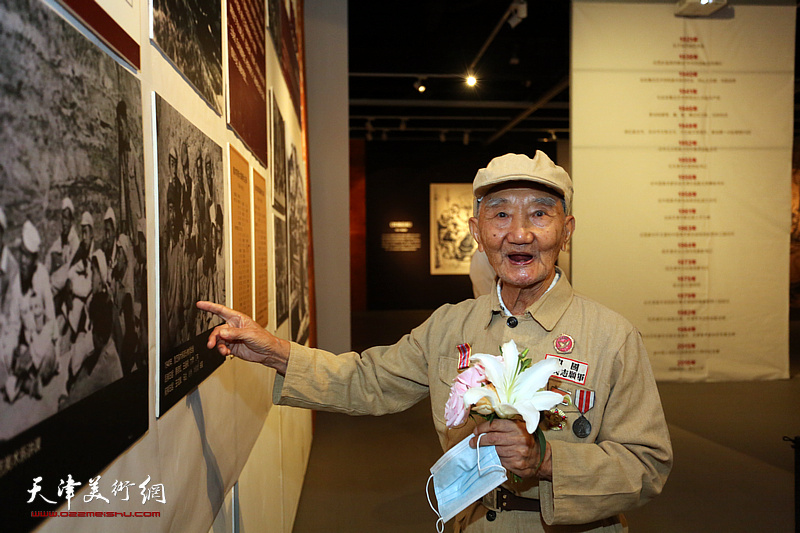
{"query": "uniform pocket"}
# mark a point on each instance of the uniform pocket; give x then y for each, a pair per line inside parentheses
(446, 370)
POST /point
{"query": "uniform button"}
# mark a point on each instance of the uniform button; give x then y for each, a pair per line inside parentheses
(490, 516)
(512, 322)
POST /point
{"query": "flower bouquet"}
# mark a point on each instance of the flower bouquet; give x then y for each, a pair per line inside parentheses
(507, 386)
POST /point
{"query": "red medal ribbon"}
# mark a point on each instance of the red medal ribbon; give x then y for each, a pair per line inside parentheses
(584, 400)
(464, 352)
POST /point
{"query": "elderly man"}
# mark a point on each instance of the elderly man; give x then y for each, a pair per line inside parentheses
(614, 450)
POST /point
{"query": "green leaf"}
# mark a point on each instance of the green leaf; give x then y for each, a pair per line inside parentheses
(539, 434)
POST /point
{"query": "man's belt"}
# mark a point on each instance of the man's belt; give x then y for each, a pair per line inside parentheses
(502, 499)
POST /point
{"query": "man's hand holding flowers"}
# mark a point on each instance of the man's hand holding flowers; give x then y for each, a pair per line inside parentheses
(508, 391)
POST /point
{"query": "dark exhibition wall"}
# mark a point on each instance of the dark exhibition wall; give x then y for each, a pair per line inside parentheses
(398, 178)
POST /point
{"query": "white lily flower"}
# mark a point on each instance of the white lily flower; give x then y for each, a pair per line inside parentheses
(514, 392)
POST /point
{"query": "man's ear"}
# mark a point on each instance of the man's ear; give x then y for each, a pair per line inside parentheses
(569, 229)
(473, 229)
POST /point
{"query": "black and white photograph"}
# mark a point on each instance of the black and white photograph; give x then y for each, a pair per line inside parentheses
(298, 249)
(191, 251)
(274, 23)
(189, 32)
(291, 15)
(279, 159)
(281, 270)
(452, 244)
(73, 246)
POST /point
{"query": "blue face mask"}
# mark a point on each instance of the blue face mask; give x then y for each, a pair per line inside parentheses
(463, 476)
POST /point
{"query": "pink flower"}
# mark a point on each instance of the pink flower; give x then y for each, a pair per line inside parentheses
(455, 411)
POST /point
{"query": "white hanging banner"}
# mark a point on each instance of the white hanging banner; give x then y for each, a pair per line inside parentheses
(681, 159)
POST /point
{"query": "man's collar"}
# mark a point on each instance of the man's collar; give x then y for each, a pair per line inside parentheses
(548, 309)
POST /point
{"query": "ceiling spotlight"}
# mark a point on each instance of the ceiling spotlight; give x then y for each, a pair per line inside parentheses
(519, 12)
(550, 138)
(419, 85)
(471, 81)
(466, 138)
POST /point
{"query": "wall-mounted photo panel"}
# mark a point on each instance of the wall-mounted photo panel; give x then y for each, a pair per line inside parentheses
(298, 249)
(191, 256)
(281, 270)
(247, 79)
(291, 34)
(190, 35)
(241, 236)
(278, 158)
(260, 249)
(117, 23)
(73, 290)
(274, 8)
(452, 244)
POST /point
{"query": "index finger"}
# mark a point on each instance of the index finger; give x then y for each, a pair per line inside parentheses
(226, 313)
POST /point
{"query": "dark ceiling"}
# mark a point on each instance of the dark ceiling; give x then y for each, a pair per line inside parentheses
(522, 93)
(522, 72)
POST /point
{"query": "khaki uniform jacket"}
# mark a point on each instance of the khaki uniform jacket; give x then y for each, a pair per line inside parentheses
(622, 464)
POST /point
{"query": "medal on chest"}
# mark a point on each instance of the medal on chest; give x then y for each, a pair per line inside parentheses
(584, 400)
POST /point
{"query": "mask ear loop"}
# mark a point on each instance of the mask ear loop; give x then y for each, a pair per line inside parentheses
(477, 450)
(439, 522)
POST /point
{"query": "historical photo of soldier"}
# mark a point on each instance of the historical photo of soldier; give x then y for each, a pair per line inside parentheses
(281, 269)
(278, 159)
(274, 24)
(190, 192)
(298, 249)
(291, 49)
(72, 215)
(189, 32)
(452, 244)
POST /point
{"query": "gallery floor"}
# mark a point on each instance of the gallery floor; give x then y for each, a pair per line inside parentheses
(733, 471)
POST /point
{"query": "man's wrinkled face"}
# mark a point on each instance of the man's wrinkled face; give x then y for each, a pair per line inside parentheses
(522, 228)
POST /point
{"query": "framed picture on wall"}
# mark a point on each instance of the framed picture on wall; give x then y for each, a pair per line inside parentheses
(73, 267)
(279, 176)
(190, 35)
(191, 254)
(452, 244)
(298, 249)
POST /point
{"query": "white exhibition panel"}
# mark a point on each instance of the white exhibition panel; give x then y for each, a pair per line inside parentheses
(681, 159)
